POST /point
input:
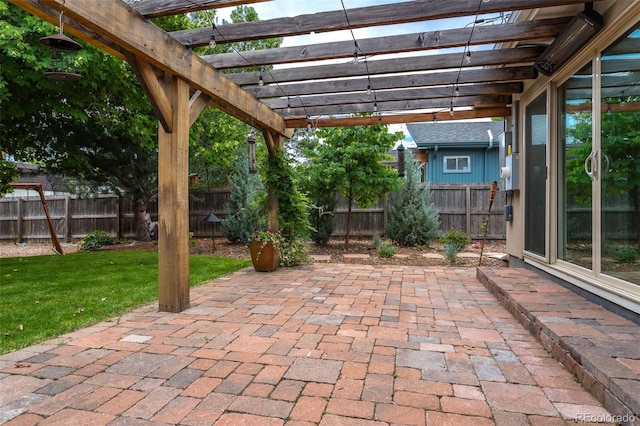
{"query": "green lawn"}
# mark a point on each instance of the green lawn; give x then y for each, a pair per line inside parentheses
(46, 296)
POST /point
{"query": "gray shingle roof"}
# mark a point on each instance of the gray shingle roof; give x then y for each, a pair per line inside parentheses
(463, 133)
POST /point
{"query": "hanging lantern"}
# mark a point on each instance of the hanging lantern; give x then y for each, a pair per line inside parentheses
(62, 55)
(401, 160)
(253, 164)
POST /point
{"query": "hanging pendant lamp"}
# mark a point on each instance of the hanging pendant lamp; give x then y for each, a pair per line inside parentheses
(62, 48)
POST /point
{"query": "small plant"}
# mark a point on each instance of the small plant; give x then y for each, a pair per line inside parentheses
(377, 241)
(625, 254)
(457, 238)
(386, 251)
(94, 240)
(451, 250)
(268, 236)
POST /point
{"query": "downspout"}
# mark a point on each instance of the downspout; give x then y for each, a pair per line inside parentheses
(433, 171)
(486, 154)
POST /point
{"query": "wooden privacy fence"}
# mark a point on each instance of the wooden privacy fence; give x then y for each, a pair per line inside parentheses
(461, 207)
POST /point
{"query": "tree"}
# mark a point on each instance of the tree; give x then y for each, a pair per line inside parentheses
(350, 160)
(244, 209)
(100, 129)
(215, 137)
(8, 172)
(620, 160)
(412, 217)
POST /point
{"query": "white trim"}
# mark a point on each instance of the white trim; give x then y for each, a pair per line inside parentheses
(457, 157)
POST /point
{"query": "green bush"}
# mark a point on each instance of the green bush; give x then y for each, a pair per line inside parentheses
(413, 218)
(244, 210)
(458, 238)
(94, 240)
(625, 254)
(386, 251)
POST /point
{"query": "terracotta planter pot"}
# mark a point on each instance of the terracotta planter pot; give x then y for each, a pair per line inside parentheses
(264, 256)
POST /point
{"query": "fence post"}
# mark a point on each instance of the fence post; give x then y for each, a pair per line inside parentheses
(467, 199)
(19, 221)
(67, 218)
(119, 218)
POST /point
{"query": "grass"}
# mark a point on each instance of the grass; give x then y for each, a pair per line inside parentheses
(42, 297)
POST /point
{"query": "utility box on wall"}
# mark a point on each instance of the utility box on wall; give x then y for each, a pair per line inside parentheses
(510, 172)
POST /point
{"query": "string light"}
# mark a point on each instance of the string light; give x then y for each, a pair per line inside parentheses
(260, 80)
(288, 105)
(212, 40)
(435, 119)
(368, 89)
(457, 91)
(375, 107)
(468, 57)
(451, 110)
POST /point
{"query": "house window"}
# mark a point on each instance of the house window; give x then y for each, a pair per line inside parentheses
(457, 164)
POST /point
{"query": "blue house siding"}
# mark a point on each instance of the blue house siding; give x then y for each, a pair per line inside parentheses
(483, 165)
(475, 144)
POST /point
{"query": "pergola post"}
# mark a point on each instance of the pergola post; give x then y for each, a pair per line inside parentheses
(173, 201)
(274, 142)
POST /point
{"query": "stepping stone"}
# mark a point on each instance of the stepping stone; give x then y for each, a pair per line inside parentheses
(356, 256)
(321, 257)
(432, 255)
(401, 256)
(468, 255)
(500, 256)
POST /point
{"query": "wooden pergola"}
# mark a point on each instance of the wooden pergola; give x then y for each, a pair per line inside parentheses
(411, 86)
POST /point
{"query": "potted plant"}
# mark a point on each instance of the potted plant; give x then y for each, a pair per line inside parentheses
(264, 249)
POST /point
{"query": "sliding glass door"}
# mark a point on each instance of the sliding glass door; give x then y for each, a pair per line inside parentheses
(598, 185)
(577, 168)
(620, 158)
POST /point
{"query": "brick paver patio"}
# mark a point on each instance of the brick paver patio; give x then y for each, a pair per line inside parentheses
(327, 344)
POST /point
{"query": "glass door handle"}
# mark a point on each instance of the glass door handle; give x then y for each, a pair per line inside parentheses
(591, 165)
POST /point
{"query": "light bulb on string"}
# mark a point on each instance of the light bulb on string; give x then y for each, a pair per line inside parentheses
(468, 57)
(457, 91)
(368, 89)
(212, 40)
(451, 111)
(375, 107)
(260, 80)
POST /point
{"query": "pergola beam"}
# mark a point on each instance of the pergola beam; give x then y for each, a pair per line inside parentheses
(397, 95)
(521, 31)
(403, 105)
(405, 65)
(157, 8)
(335, 20)
(485, 75)
(399, 118)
